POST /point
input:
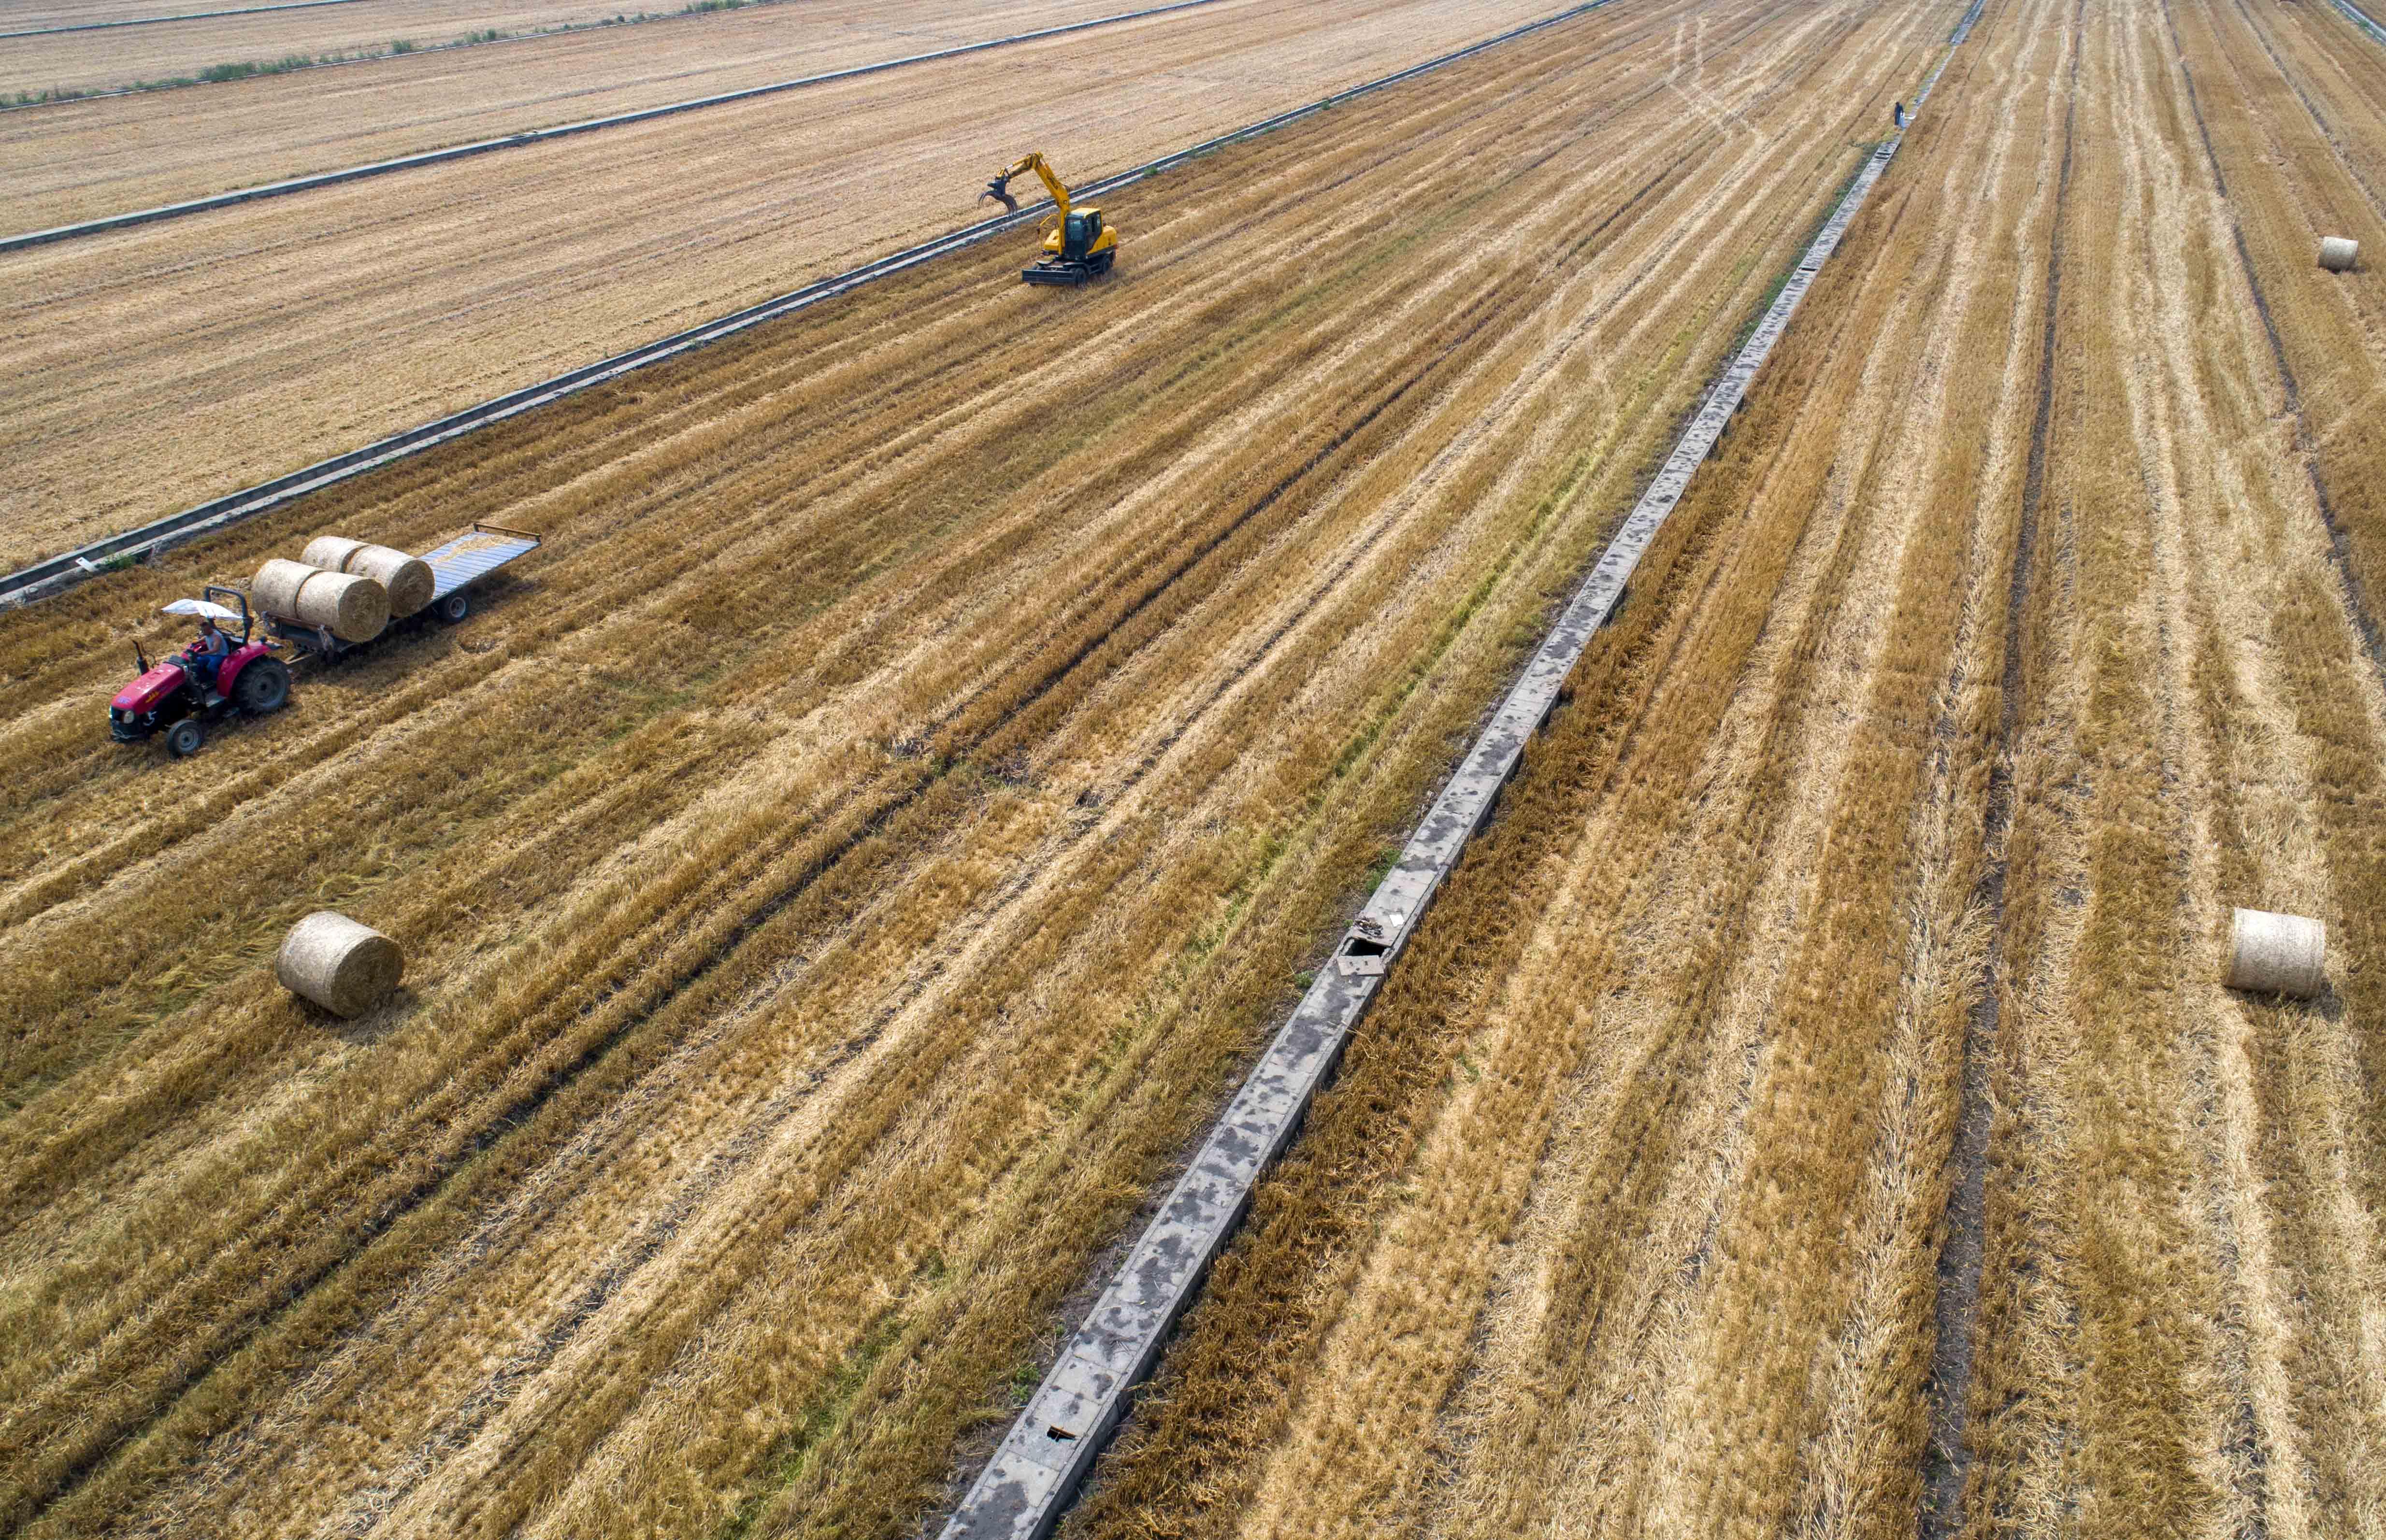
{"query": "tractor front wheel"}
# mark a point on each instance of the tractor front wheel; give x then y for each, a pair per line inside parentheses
(263, 686)
(183, 738)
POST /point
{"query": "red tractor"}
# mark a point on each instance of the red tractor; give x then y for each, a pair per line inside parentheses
(211, 679)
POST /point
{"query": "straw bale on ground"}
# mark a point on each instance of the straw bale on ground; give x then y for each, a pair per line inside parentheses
(2277, 954)
(344, 966)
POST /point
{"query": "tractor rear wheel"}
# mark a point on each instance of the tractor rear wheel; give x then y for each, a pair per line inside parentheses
(263, 686)
(183, 738)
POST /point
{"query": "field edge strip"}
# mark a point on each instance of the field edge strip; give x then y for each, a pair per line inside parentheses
(387, 56)
(160, 20)
(316, 180)
(52, 575)
(2361, 19)
(1044, 1457)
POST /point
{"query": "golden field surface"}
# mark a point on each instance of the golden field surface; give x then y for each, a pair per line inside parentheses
(1814, 1110)
(302, 327)
(97, 156)
(846, 865)
(119, 57)
(31, 15)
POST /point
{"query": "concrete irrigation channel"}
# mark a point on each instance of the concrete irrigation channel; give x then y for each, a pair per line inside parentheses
(49, 576)
(560, 130)
(1051, 1449)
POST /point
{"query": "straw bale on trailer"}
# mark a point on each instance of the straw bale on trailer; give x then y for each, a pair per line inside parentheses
(2277, 954)
(2337, 253)
(344, 966)
(408, 579)
(277, 585)
(353, 609)
(330, 552)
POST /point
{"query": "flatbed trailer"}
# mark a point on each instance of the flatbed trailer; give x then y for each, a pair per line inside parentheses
(455, 566)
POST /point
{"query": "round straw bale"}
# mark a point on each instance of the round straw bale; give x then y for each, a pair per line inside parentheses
(345, 968)
(353, 608)
(277, 585)
(2277, 954)
(408, 580)
(330, 552)
(2337, 253)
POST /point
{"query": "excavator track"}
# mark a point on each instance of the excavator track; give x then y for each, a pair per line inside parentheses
(1067, 274)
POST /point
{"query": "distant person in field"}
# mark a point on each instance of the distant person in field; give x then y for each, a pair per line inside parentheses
(210, 651)
(1897, 112)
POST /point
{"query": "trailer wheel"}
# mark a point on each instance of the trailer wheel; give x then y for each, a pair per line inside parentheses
(183, 738)
(452, 609)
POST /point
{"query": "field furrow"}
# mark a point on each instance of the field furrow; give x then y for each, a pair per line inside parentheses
(2172, 1332)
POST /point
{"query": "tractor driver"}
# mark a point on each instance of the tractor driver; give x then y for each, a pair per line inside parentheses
(211, 650)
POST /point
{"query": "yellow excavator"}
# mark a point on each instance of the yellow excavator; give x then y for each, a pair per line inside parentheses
(1077, 245)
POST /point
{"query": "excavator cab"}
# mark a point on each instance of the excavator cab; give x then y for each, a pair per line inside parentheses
(1077, 244)
(1079, 236)
(1077, 247)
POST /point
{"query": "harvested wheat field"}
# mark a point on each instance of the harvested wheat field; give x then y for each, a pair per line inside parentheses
(305, 326)
(134, 42)
(37, 16)
(843, 869)
(1815, 1108)
(82, 159)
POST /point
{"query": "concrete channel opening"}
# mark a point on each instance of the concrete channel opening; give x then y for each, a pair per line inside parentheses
(1362, 954)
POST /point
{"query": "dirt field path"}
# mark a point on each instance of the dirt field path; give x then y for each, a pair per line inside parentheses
(161, 366)
(844, 872)
(1627, 1214)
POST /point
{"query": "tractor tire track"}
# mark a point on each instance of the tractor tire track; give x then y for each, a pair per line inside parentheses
(1946, 1467)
